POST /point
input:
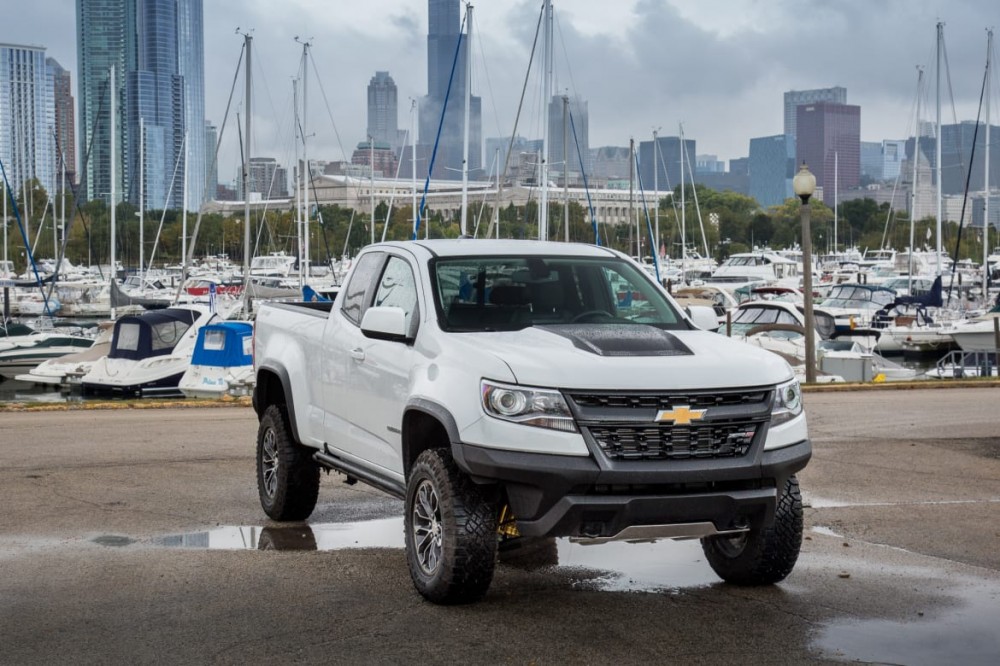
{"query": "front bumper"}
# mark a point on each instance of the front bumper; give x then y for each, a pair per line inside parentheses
(576, 496)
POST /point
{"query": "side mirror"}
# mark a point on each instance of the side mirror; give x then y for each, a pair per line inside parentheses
(703, 317)
(385, 323)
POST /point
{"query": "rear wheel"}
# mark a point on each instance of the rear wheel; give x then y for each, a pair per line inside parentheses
(761, 556)
(450, 531)
(287, 476)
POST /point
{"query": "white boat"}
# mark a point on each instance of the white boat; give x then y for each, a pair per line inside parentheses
(21, 353)
(977, 334)
(765, 266)
(149, 353)
(222, 362)
(68, 370)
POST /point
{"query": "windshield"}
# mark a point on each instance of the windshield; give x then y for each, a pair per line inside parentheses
(850, 296)
(511, 293)
(748, 318)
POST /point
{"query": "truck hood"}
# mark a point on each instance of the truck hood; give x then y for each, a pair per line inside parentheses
(627, 357)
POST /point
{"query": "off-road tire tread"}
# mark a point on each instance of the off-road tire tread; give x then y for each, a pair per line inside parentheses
(467, 565)
(298, 474)
(770, 553)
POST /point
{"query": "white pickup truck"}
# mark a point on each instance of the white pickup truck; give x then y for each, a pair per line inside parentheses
(514, 389)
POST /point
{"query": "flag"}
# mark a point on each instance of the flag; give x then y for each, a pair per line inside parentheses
(211, 297)
(928, 233)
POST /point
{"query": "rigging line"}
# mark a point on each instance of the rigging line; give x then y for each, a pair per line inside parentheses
(163, 213)
(212, 167)
(916, 146)
(336, 132)
(520, 104)
(486, 194)
(437, 139)
(586, 187)
(649, 225)
(486, 75)
(562, 42)
(694, 189)
(392, 195)
(24, 236)
(968, 178)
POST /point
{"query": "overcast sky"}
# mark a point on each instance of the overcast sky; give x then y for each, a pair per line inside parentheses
(720, 67)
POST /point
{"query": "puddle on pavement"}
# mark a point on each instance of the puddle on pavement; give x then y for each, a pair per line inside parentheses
(964, 634)
(113, 541)
(615, 566)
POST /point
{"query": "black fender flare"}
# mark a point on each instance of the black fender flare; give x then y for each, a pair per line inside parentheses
(260, 403)
(441, 414)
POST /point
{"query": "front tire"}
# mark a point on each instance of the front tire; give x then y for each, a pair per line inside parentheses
(287, 476)
(450, 530)
(762, 556)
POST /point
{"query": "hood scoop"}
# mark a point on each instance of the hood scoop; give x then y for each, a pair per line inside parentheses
(621, 339)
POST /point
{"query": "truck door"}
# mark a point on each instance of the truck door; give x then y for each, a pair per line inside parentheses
(378, 374)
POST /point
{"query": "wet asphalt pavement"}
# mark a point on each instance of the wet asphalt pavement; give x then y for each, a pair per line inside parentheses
(136, 536)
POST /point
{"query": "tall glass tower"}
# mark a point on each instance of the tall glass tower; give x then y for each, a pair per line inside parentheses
(191, 67)
(444, 28)
(383, 110)
(100, 43)
(27, 117)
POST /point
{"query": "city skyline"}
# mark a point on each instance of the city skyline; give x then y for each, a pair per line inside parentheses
(723, 97)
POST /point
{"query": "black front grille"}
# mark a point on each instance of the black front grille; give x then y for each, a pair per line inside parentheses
(667, 400)
(669, 442)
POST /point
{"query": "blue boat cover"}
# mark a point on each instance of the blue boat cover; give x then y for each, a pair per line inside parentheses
(224, 344)
(153, 333)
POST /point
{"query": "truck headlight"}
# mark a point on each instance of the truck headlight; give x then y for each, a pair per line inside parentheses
(543, 408)
(787, 402)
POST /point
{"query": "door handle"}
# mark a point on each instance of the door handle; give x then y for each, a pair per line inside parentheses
(358, 354)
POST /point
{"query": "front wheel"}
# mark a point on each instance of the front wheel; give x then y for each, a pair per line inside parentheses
(287, 477)
(450, 530)
(764, 555)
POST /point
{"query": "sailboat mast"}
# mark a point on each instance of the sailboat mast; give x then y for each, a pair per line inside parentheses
(248, 40)
(413, 159)
(114, 166)
(631, 177)
(371, 180)
(683, 211)
(565, 169)
(836, 189)
(184, 213)
(142, 194)
(656, 193)
(304, 266)
(913, 194)
(468, 102)
(543, 204)
(298, 176)
(986, 169)
(940, 203)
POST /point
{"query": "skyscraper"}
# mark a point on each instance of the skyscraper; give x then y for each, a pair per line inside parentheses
(157, 49)
(191, 67)
(830, 134)
(444, 29)
(577, 119)
(154, 98)
(796, 98)
(383, 111)
(100, 43)
(772, 167)
(65, 129)
(668, 162)
(27, 116)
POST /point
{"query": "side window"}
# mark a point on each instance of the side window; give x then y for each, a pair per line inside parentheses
(397, 288)
(355, 303)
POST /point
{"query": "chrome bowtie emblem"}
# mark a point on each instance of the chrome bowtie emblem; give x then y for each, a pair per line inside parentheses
(682, 415)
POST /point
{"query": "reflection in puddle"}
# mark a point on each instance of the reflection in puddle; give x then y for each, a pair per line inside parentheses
(616, 566)
(962, 635)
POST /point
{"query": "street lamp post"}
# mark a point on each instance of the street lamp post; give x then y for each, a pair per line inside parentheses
(804, 185)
